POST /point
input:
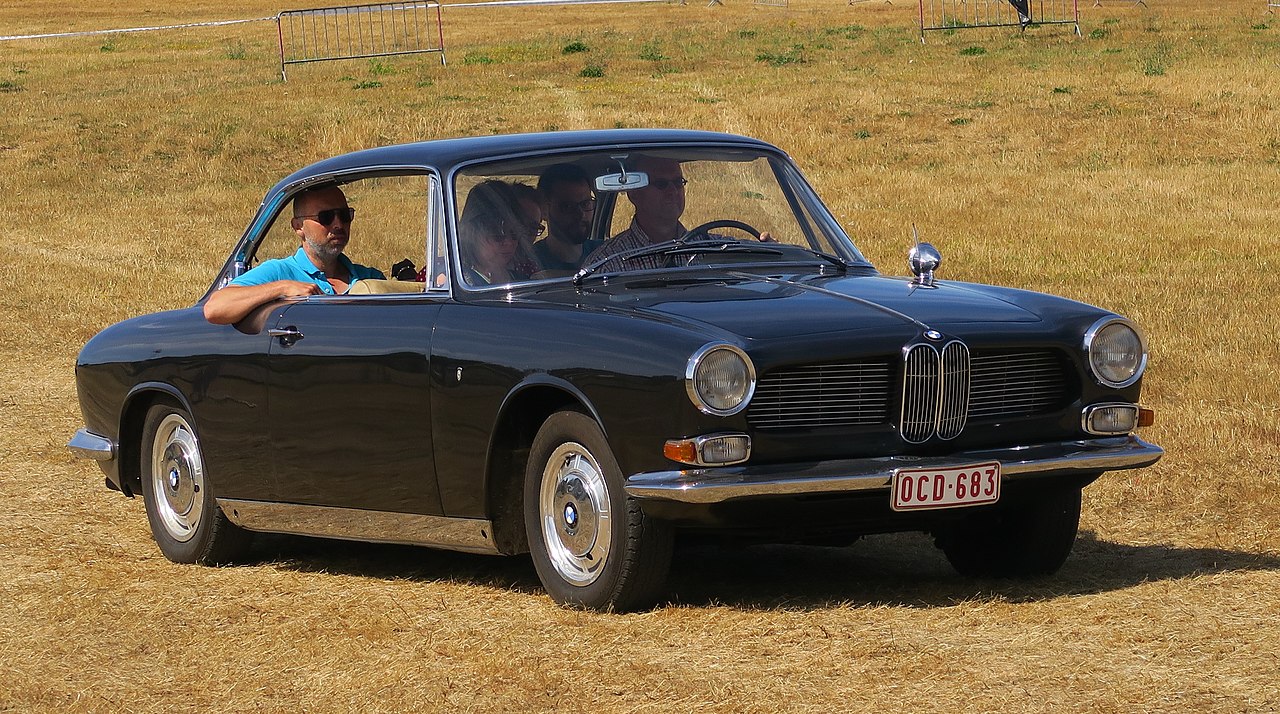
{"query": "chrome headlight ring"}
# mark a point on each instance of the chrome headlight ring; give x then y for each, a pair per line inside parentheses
(720, 379)
(1101, 342)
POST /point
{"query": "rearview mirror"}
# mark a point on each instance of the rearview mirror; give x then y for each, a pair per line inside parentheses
(612, 183)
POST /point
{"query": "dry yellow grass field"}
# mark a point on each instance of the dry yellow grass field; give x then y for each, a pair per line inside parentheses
(1135, 167)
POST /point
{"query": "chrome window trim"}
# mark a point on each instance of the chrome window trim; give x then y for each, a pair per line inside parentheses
(691, 368)
(1092, 333)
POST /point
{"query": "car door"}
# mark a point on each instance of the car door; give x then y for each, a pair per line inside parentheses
(348, 403)
(348, 395)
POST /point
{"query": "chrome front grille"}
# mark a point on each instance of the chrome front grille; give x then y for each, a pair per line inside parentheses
(1014, 384)
(943, 391)
(822, 395)
(935, 392)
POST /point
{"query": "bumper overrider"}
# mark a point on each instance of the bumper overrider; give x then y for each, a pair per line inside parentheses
(88, 445)
(715, 485)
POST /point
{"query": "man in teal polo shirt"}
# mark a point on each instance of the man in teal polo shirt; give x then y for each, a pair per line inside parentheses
(322, 220)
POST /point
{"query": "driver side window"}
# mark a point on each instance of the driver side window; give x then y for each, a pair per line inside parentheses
(389, 226)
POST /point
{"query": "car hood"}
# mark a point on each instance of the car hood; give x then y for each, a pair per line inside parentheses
(774, 306)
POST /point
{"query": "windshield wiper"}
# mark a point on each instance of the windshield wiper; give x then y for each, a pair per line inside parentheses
(834, 260)
(725, 245)
(637, 252)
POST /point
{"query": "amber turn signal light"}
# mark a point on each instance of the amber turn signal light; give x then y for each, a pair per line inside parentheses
(683, 451)
(1146, 417)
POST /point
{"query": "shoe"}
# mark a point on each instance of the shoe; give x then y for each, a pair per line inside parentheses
(1023, 20)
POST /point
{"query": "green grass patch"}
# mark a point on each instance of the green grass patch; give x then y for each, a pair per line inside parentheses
(575, 47)
(592, 71)
(652, 52)
(973, 51)
(792, 55)
(1156, 62)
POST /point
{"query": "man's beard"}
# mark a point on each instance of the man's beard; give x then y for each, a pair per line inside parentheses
(325, 250)
(575, 236)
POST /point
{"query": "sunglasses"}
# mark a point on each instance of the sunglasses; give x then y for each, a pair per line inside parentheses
(664, 184)
(586, 205)
(504, 237)
(326, 216)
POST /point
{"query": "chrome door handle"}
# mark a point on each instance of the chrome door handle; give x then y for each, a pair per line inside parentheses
(287, 335)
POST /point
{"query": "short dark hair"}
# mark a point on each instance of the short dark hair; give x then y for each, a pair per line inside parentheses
(561, 173)
(302, 196)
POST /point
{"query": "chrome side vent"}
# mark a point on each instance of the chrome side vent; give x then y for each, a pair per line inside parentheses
(935, 392)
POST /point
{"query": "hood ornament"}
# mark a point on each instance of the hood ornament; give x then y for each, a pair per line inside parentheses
(924, 259)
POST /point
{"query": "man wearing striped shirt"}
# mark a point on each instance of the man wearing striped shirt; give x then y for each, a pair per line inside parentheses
(658, 208)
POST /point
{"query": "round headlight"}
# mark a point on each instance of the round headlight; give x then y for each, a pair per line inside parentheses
(720, 379)
(1116, 352)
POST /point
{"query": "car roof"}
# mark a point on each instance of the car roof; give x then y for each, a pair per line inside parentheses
(444, 154)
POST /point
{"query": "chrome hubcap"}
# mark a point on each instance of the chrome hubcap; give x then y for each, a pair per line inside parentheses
(573, 507)
(178, 481)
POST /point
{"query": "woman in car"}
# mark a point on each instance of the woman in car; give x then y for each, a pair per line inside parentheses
(490, 232)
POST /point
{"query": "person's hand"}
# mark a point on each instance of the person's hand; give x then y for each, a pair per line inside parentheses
(295, 288)
(766, 238)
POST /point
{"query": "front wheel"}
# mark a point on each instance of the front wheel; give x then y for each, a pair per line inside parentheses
(185, 519)
(1020, 539)
(592, 546)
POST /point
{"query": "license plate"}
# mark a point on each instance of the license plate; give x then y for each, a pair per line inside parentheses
(919, 489)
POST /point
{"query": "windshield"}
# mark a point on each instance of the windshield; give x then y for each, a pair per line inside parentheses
(565, 216)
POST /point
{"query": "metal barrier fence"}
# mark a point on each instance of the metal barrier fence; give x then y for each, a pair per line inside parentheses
(359, 31)
(960, 14)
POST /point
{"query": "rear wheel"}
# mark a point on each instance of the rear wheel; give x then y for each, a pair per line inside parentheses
(592, 545)
(185, 519)
(1020, 539)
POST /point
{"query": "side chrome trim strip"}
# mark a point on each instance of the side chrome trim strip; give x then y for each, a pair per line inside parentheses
(88, 445)
(715, 485)
(469, 535)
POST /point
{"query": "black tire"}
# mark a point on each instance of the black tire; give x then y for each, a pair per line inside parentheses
(572, 486)
(185, 519)
(1020, 539)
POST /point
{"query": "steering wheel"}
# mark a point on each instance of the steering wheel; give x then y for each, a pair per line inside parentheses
(706, 228)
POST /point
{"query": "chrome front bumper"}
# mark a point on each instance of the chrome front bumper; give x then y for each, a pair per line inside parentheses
(88, 445)
(714, 485)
